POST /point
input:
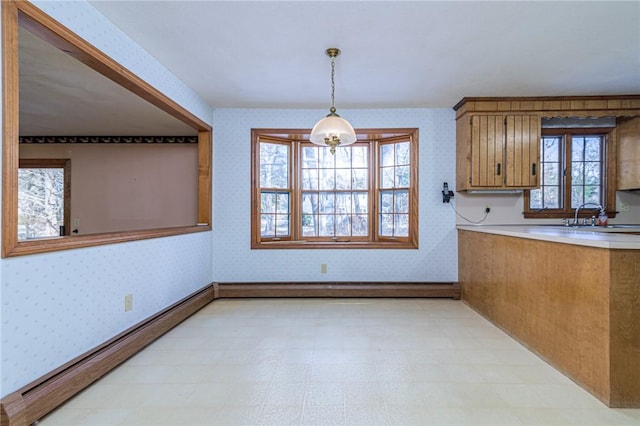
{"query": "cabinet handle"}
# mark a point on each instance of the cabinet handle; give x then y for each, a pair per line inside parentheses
(498, 169)
(533, 169)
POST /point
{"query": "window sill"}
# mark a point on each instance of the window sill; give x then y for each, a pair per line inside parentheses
(46, 245)
(545, 214)
(333, 245)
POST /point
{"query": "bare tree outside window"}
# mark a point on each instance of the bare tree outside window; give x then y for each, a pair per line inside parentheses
(41, 202)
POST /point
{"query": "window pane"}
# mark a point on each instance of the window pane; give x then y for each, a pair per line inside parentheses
(327, 180)
(551, 149)
(577, 173)
(326, 202)
(550, 173)
(327, 159)
(551, 197)
(592, 194)
(360, 202)
(343, 158)
(577, 196)
(387, 178)
(401, 225)
(282, 225)
(592, 149)
(535, 199)
(386, 225)
(267, 225)
(343, 203)
(360, 156)
(309, 225)
(592, 173)
(343, 179)
(309, 203)
(402, 177)
(386, 202)
(402, 153)
(360, 226)
(577, 148)
(326, 226)
(343, 225)
(387, 157)
(360, 179)
(268, 202)
(402, 202)
(274, 165)
(283, 203)
(310, 179)
(310, 157)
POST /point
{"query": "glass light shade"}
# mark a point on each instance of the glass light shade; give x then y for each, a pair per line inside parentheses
(330, 126)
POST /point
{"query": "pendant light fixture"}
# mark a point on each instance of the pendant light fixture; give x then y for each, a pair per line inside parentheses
(332, 130)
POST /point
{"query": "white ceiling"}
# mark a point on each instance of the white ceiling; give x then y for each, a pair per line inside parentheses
(60, 96)
(395, 54)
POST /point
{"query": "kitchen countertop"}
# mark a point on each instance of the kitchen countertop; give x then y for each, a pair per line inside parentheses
(560, 234)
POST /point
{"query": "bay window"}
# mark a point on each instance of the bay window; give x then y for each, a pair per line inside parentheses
(365, 195)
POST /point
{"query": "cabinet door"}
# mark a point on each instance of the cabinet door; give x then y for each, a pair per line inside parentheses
(487, 151)
(522, 151)
(629, 153)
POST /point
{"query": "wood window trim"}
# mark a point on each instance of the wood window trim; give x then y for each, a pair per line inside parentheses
(55, 163)
(21, 13)
(610, 176)
(301, 135)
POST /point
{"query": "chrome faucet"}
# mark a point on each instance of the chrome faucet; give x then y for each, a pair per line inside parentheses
(575, 218)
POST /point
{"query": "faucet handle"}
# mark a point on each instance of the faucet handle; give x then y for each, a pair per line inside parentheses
(565, 220)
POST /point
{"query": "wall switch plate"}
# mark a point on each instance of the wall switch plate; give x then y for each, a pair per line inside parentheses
(128, 302)
(623, 207)
(323, 268)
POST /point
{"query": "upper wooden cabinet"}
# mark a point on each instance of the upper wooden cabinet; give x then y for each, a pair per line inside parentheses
(498, 139)
(628, 153)
(501, 151)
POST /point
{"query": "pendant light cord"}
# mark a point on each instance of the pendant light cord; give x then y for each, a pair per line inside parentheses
(333, 85)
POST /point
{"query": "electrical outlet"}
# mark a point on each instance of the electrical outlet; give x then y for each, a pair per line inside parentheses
(623, 206)
(76, 222)
(128, 302)
(323, 268)
(487, 209)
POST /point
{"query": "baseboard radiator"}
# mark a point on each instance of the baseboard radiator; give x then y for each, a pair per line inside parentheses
(34, 401)
(340, 289)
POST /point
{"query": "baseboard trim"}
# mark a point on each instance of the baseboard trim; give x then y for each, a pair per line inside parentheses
(32, 402)
(339, 289)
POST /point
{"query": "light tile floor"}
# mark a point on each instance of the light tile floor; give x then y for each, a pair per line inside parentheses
(336, 362)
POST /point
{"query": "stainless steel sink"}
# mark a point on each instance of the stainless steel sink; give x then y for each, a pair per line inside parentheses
(609, 228)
